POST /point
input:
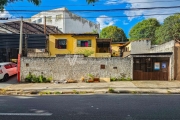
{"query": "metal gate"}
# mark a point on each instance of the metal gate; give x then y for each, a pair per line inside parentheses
(151, 68)
(9, 44)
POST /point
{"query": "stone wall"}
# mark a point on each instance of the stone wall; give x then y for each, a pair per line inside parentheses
(166, 47)
(75, 66)
(38, 54)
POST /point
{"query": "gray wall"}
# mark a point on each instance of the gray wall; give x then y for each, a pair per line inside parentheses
(75, 66)
(166, 47)
(140, 46)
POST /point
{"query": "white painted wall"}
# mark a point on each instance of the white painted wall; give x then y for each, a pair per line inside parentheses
(52, 14)
(77, 24)
(69, 22)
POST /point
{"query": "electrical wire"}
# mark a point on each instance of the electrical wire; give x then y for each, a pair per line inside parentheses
(101, 4)
(108, 16)
(105, 10)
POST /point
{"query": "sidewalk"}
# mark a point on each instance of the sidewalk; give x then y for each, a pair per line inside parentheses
(140, 87)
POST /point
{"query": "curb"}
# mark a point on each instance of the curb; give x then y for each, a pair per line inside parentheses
(79, 91)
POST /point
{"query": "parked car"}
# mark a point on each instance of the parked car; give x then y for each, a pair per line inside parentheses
(7, 69)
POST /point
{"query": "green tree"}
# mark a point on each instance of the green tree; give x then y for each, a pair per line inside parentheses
(170, 30)
(113, 32)
(144, 30)
(3, 3)
(91, 1)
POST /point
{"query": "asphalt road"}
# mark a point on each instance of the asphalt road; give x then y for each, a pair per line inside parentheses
(90, 107)
(12, 80)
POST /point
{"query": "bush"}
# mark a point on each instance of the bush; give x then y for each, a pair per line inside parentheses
(111, 90)
(37, 79)
(86, 53)
(113, 79)
(120, 79)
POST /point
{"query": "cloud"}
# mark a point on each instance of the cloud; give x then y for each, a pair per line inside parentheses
(105, 21)
(125, 23)
(6, 14)
(147, 4)
(113, 2)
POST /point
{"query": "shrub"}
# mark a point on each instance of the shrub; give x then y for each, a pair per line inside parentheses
(37, 79)
(111, 90)
(113, 79)
(85, 52)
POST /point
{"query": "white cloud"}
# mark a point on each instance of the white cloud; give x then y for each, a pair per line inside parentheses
(6, 14)
(125, 23)
(147, 4)
(105, 21)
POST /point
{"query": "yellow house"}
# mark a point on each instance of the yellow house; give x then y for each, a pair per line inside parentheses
(126, 49)
(115, 48)
(70, 43)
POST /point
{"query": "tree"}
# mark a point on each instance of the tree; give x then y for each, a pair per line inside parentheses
(170, 30)
(91, 1)
(113, 32)
(5, 2)
(36, 2)
(144, 30)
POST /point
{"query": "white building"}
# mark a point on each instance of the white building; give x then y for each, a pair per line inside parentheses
(66, 21)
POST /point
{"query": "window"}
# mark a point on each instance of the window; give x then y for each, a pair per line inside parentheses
(34, 21)
(58, 17)
(83, 43)
(49, 19)
(8, 66)
(39, 20)
(13, 65)
(60, 43)
(102, 67)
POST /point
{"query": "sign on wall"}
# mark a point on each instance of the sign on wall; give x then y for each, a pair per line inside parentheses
(163, 65)
(157, 66)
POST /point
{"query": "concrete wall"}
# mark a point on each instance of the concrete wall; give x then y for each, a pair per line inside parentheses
(75, 66)
(140, 46)
(58, 23)
(77, 24)
(69, 23)
(166, 47)
(177, 63)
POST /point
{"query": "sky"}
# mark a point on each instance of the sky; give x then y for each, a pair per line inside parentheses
(121, 13)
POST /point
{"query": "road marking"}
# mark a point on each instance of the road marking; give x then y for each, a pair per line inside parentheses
(25, 114)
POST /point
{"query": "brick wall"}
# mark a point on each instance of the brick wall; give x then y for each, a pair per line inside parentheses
(75, 66)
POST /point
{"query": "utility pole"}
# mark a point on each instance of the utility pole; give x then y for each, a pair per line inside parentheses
(47, 46)
(20, 50)
(45, 25)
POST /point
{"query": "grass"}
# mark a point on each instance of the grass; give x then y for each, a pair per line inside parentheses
(111, 90)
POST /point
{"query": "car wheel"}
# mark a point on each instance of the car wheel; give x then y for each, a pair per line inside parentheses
(6, 76)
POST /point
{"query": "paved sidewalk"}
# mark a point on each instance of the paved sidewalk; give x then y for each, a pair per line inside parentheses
(150, 87)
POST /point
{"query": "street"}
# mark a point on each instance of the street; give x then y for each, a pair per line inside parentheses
(12, 80)
(90, 107)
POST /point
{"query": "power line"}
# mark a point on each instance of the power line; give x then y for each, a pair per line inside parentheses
(109, 16)
(105, 10)
(100, 4)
